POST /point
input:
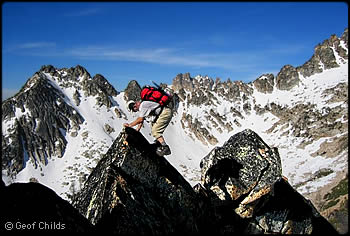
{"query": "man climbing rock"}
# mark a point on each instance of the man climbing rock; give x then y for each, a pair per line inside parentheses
(162, 116)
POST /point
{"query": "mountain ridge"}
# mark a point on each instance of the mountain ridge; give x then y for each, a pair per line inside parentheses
(80, 107)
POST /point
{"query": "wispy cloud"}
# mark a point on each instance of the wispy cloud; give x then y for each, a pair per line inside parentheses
(22, 47)
(239, 60)
(168, 56)
(83, 12)
(36, 45)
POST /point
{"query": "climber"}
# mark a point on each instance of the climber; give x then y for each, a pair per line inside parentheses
(162, 116)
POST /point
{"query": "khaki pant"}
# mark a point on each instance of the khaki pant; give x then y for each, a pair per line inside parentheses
(162, 122)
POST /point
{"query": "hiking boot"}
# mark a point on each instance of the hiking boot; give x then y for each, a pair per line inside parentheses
(163, 150)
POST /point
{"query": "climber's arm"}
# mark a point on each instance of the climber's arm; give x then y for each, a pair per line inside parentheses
(138, 121)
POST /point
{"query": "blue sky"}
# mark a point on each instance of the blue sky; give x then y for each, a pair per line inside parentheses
(146, 41)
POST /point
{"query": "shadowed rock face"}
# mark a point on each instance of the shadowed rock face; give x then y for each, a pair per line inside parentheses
(245, 167)
(134, 191)
(32, 207)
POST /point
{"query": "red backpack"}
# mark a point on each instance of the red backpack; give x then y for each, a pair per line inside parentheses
(149, 93)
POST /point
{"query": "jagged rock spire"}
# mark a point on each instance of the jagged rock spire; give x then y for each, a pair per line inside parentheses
(132, 91)
(134, 191)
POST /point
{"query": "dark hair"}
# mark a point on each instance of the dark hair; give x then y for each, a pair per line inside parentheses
(131, 106)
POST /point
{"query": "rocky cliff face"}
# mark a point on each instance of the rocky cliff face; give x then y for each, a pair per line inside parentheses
(324, 56)
(36, 136)
(134, 191)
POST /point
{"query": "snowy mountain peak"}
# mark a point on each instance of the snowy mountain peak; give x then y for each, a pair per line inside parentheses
(60, 117)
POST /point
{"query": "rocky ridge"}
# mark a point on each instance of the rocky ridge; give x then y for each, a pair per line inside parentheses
(203, 91)
(134, 191)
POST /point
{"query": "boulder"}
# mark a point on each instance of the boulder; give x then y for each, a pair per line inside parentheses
(243, 180)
